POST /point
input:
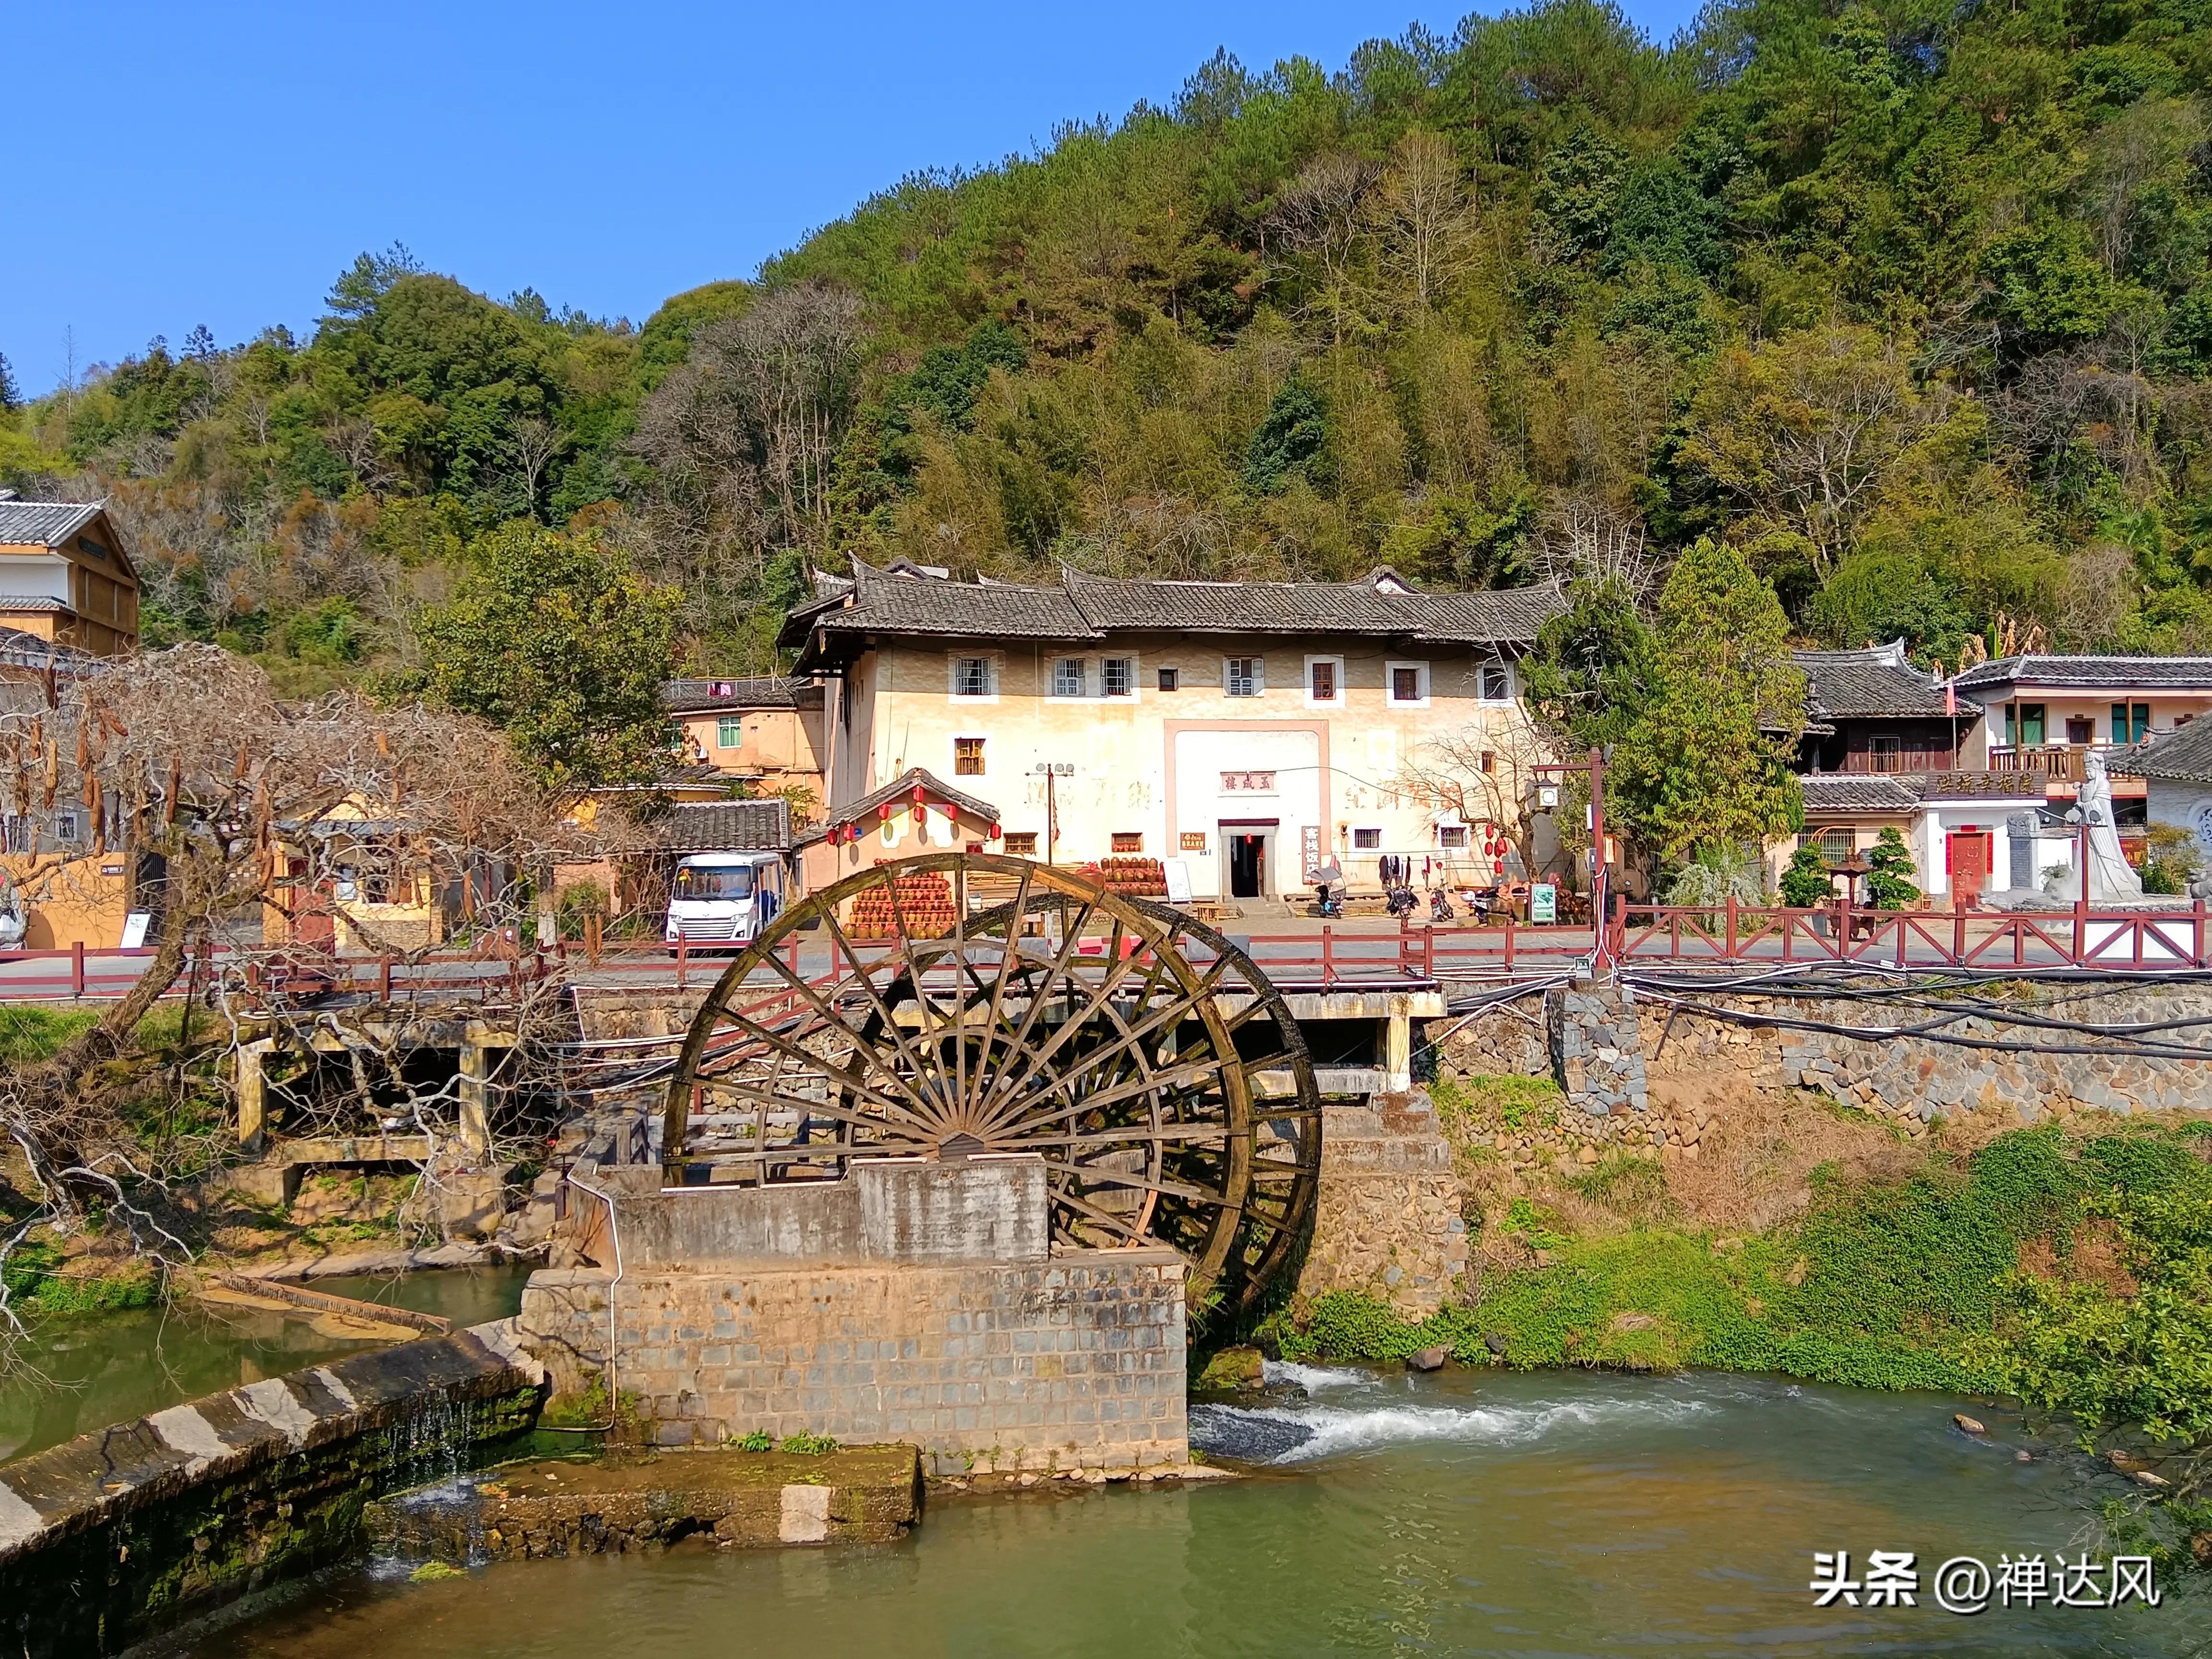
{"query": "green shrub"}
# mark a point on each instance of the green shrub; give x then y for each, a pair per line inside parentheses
(41, 1281)
(809, 1445)
(1807, 884)
(759, 1440)
(1525, 1221)
(1884, 1283)
(1514, 1102)
(1889, 873)
(1451, 1102)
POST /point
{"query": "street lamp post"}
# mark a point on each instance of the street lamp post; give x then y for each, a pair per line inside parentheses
(1051, 772)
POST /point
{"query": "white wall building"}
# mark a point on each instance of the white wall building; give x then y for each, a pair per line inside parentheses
(1243, 728)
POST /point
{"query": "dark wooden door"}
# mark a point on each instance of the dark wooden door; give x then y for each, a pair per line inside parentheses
(1247, 867)
(1968, 852)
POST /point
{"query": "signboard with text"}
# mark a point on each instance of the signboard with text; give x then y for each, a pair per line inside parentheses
(1543, 902)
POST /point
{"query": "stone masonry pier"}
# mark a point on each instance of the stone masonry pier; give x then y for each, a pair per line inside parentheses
(913, 1301)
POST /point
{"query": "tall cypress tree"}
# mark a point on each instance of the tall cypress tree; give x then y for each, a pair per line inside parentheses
(1707, 762)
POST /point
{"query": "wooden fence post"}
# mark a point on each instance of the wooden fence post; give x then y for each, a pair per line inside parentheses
(77, 968)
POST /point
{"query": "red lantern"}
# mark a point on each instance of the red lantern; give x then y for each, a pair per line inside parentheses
(917, 794)
(993, 833)
(920, 814)
(885, 811)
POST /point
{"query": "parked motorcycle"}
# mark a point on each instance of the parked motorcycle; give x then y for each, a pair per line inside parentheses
(1440, 908)
(1401, 902)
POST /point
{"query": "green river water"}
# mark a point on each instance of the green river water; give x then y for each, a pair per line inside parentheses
(82, 1374)
(1470, 1513)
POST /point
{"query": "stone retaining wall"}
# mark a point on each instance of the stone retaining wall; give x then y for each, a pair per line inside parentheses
(1387, 1219)
(2008, 1064)
(119, 1535)
(1072, 1365)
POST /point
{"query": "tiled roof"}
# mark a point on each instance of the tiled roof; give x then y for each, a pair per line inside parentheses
(1860, 792)
(901, 788)
(1374, 606)
(1879, 683)
(1907, 791)
(2091, 673)
(24, 605)
(705, 696)
(2184, 754)
(19, 649)
(728, 826)
(43, 524)
(1082, 607)
(924, 604)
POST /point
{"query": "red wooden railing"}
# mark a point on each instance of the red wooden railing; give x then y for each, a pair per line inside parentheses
(2116, 940)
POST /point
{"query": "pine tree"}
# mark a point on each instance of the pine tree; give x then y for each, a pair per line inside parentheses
(1890, 870)
(1806, 884)
(1291, 442)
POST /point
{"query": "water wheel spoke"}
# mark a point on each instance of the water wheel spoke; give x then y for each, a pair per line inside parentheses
(868, 988)
(805, 1106)
(1124, 1225)
(1165, 1019)
(1056, 972)
(913, 1108)
(1108, 1050)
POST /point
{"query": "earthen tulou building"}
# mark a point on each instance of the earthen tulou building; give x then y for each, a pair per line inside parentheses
(1246, 729)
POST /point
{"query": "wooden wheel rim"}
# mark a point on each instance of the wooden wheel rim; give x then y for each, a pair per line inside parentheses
(1115, 1064)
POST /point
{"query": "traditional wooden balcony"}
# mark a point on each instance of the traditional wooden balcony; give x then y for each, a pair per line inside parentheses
(2060, 763)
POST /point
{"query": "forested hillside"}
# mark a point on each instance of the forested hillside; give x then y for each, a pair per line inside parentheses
(1907, 301)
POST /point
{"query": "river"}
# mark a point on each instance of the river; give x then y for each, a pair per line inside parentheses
(77, 1374)
(1469, 1513)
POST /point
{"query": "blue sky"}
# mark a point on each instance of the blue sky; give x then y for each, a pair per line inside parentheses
(220, 164)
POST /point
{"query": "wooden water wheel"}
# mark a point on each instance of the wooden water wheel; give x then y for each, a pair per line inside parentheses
(959, 1005)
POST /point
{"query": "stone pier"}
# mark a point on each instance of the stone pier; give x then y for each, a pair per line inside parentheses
(1388, 1220)
(913, 1301)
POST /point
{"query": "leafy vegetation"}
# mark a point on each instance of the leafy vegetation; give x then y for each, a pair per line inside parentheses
(1889, 871)
(30, 1033)
(1514, 1101)
(1911, 1282)
(559, 643)
(1806, 882)
(1706, 764)
(1907, 306)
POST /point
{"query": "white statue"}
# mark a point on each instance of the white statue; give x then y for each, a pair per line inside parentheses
(2112, 879)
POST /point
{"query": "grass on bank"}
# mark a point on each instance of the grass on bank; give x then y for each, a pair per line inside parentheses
(187, 1122)
(1881, 1284)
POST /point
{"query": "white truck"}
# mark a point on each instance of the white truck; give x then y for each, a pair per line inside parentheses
(724, 898)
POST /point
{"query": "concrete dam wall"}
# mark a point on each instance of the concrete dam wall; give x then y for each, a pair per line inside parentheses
(119, 1535)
